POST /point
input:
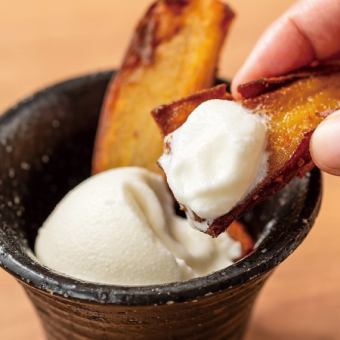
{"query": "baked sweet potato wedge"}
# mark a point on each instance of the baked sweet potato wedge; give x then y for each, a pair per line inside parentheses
(237, 232)
(173, 53)
(294, 107)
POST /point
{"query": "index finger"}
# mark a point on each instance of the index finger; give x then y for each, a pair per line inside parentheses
(308, 31)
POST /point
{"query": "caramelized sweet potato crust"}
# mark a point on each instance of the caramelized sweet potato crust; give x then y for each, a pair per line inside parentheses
(173, 53)
(294, 107)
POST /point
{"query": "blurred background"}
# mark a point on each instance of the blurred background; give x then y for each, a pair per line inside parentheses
(44, 41)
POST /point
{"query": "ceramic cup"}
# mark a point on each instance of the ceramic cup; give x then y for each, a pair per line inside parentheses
(45, 149)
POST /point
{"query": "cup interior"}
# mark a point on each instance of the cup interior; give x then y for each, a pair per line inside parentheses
(45, 150)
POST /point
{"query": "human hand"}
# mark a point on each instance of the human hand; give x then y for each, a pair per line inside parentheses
(309, 31)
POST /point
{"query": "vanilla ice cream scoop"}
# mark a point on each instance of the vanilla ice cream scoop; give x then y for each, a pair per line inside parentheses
(119, 227)
(215, 159)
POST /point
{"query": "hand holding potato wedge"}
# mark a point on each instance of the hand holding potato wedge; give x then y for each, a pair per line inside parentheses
(172, 55)
(306, 33)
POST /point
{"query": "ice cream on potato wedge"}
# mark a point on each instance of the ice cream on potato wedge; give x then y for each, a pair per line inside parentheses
(293, 106)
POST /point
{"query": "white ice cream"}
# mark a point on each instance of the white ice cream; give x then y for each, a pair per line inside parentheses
(215, 158)
(119, 227)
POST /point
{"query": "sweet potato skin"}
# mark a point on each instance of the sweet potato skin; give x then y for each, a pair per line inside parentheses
(263, 85)
(172, 116)
(294, 107)
(173, 53)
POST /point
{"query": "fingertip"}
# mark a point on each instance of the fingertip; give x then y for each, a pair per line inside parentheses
(325, 145)
(281, 49)
(234, 89)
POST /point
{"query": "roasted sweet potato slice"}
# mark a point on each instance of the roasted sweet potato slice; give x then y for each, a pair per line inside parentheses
(173, 53)
(295, 106)
(237, 231)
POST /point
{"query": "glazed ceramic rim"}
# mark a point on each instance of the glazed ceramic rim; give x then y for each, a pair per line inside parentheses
(259, 263)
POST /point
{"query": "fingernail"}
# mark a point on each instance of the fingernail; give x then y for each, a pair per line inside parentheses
(325, 144)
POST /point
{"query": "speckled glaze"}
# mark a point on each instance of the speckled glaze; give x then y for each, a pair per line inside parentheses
(45, 149)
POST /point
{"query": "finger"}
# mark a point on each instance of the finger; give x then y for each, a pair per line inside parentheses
(308, 31)
(325, 144)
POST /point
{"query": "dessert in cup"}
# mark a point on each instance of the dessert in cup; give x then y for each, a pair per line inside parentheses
(113, 255)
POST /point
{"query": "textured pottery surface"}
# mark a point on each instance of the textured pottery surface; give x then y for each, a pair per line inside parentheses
(45, 149)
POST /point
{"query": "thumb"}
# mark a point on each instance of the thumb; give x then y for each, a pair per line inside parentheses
(325, 144)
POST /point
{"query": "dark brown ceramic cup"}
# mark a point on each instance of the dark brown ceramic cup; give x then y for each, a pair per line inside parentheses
(45, 149)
